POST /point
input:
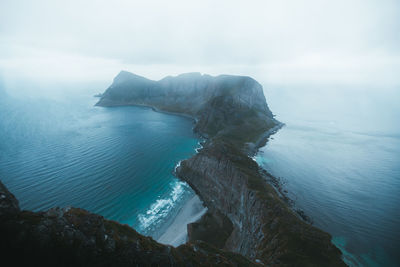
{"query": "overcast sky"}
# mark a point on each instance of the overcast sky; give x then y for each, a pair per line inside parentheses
(284, 42)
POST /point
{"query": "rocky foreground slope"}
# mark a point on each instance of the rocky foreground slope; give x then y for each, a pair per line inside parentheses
(245, 214)
(75, 237)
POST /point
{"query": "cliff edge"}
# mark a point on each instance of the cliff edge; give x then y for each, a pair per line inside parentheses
(245, 214)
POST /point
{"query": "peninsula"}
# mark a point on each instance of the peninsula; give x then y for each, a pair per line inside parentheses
(245, 213)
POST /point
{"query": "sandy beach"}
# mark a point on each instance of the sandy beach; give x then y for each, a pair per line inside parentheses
(176, 233)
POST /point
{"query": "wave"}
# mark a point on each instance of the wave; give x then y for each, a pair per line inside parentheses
(161, 208)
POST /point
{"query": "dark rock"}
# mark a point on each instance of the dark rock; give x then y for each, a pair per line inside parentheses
(9, 206)
(213, 228)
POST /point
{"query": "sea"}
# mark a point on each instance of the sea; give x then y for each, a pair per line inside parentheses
(117, 162)
(338, 159)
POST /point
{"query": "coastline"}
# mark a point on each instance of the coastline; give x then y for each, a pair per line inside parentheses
(176, 233)
(185, 115)
(253, 148)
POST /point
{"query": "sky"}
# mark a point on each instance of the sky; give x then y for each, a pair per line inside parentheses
(277, 42)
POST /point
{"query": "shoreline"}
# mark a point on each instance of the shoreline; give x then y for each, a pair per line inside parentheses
(263, 139)
(176, 233)
(185, 115)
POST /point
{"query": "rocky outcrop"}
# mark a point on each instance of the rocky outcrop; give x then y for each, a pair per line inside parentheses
(75, 237)
(222, 105)
(245, 214)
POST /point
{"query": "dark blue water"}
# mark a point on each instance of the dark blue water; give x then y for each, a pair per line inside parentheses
(340, 163)
(117, 162)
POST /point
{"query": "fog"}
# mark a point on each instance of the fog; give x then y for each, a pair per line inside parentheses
(342, 48)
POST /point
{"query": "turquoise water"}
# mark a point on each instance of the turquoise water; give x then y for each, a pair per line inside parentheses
(342, 173)
(117, 162)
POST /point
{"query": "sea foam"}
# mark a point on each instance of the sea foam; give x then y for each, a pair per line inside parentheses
(161, 208)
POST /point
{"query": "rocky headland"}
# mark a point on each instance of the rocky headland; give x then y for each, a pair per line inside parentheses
(245, 214)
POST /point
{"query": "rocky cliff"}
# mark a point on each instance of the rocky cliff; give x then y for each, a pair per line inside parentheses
(263, 227)
(75, 237)
(223, 106)
(245, 214)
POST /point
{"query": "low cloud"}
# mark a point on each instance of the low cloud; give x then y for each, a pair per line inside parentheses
(308, 41)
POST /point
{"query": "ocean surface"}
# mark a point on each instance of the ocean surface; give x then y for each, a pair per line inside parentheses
(117, 162)
(339, 160)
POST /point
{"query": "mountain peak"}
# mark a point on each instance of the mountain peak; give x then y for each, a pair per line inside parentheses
(124, 76)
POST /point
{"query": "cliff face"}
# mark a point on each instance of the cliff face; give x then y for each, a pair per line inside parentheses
(75, 237)
(245, 214)
(186, 92)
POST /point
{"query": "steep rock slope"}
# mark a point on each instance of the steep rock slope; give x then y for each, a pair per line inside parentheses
(263, 227)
